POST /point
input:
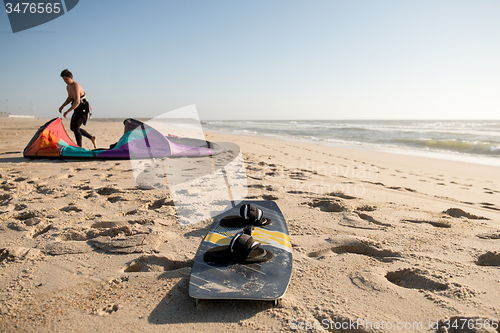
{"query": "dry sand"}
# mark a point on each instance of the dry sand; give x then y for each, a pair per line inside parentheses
(393, 243)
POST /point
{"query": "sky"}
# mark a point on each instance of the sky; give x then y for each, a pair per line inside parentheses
(255, 60)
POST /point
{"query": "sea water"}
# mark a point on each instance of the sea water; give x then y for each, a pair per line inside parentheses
(473, 141)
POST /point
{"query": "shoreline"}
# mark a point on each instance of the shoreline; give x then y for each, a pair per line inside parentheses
(487, 161)
(448, 156)
(409, 151)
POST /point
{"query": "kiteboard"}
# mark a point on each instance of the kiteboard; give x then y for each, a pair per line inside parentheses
(267, 281)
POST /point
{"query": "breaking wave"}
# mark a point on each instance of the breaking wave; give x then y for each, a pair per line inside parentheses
(450, 137)
(453, 145)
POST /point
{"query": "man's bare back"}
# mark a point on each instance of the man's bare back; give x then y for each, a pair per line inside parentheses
(75, 91)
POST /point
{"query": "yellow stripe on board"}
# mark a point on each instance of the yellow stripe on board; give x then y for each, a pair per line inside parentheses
(218, 239)
(273, 238)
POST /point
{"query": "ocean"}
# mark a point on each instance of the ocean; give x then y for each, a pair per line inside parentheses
(473, 141)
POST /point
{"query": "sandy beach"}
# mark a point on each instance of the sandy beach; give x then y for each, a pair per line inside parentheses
(381, 242)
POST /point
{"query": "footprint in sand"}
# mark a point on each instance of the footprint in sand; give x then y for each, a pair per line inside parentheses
(423, 280)
(108, 190)
(107, 310)
(111, 229)
(26, 215)
(488, 205)
(270, 197)
(356, 245)
(155, 263)
(30, 221)
(6, 186)
(35, 226)
(457, 212)
(298, 192)
(157, 204)
(56, 248)
(17, 253)
(359, 220)
(5, 196)
(299, 175)
(258, 186)
(490, 191)
(73, 235)
(5, 200)
(100, 229)
(40, 229)
(342, 195)
(64, 176)
(397, 188)
(369, 218)
(329, 205)
(489, 259)
(20, 179)
(252, 168)
(70, 208)
(415, 278)
(367, 208)
(373, 183)
(117, 198)
(20, 206)
(434, 223)
(45, 189)
(136, 243)
(110, 236)
(132, 212)
(491, 235)
(83, 187)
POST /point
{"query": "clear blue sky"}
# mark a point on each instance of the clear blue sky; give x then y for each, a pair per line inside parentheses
(256, 59)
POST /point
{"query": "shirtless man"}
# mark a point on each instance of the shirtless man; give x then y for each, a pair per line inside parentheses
(80, 106)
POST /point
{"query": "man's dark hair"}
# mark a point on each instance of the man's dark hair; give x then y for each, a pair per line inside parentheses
(66, 73)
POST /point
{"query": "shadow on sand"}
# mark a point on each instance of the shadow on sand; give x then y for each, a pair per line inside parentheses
(177, 307)
(12, 159)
